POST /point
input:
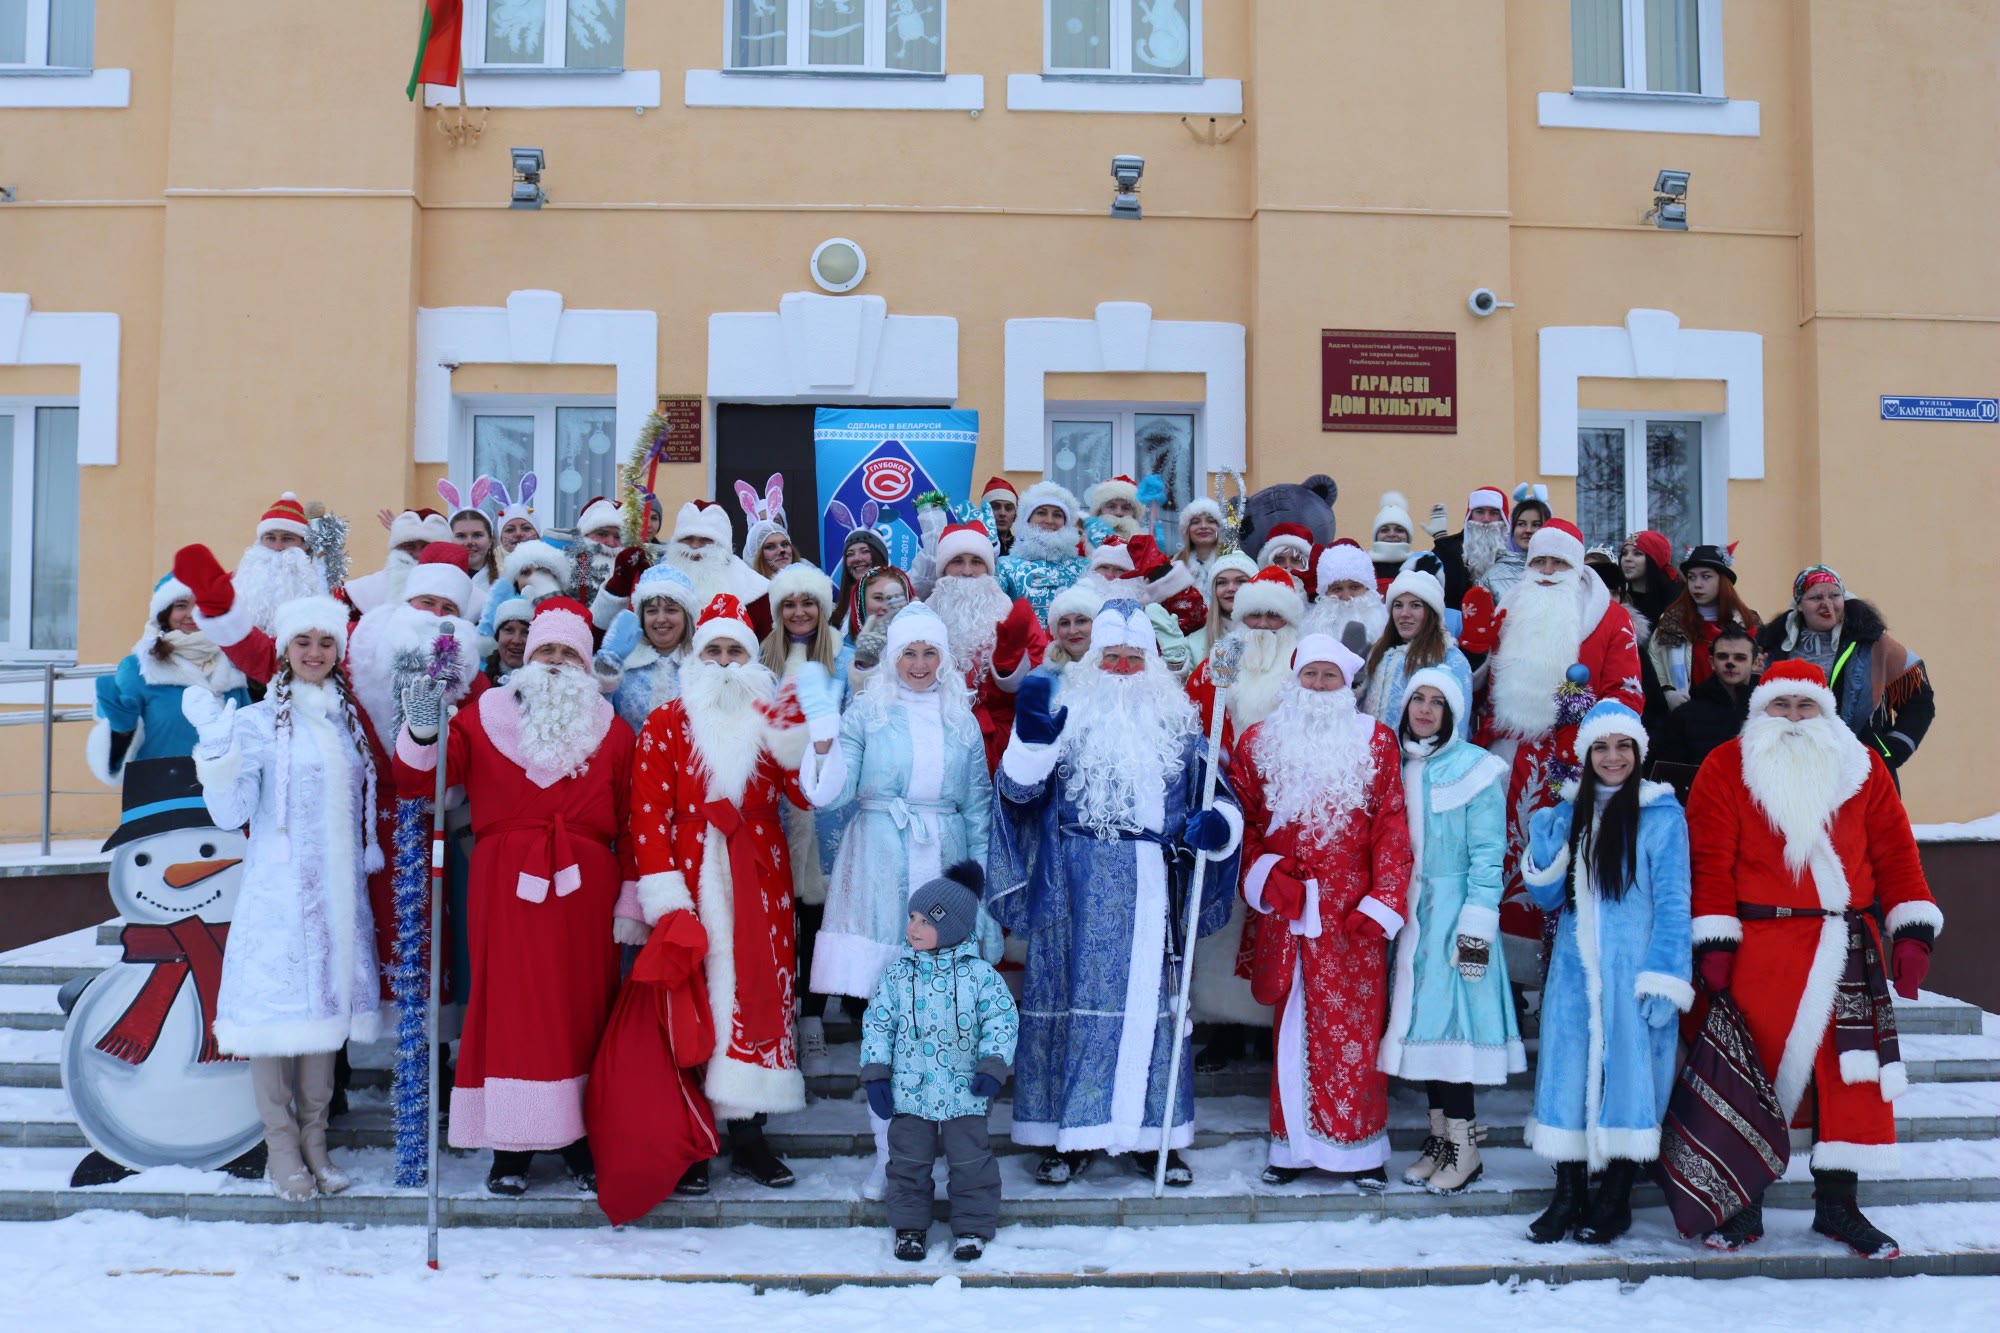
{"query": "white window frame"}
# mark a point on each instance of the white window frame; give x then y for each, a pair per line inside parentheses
(1120, 38)
(1634, 107)
(1714, 498)
(1123, 417)
(542, 407)
(874, 63)
(16, 632)
(555, 44)
(34, 83)
(550, 84)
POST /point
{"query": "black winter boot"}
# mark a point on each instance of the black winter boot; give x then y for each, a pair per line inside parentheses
(508, 1176)
(756, 1160)
(911, 1246)
(1572, 1191)
(695, 1183)
(1610, 1213)
(1837, 1215)
(1746, 1228)
(582, 1170)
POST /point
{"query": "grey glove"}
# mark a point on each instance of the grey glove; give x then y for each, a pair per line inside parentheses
(423, 708)
(1473, 956)
(873, 638)
(1438, 522)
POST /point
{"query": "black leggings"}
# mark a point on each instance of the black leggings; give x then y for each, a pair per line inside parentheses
(1454, 1099)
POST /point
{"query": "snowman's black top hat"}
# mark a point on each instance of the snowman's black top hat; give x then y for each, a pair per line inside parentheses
(160, 795)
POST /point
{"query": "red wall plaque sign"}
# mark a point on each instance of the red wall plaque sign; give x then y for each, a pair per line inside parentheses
(1387, 380)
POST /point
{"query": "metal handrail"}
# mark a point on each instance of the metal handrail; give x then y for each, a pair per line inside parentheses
(48, 673)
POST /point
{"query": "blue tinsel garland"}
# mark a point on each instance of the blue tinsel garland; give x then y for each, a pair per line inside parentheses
(410, 983)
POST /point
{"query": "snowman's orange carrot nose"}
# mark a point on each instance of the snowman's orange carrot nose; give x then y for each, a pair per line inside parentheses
(185, 874)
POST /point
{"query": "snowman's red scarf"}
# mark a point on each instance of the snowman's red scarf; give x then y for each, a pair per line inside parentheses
(188, 945)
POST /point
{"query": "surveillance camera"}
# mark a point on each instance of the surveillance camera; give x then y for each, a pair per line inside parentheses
(1483, 302)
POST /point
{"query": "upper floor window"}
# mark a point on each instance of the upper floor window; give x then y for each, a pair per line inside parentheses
(1646, 46)
(40, 499)
(837, 36)
(1091, 442)
(544, 34)
(565, 442)
(46, 34)
(1635, 472)
(1143, 38)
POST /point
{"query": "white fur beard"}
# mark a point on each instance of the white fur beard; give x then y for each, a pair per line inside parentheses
(1315, 762)
(1122, 524)
(1032, 543)
(398, 567)
(1538, 643)
(971, 607)
(707, 568)
(1484, 543)
(378, 649)
(558, 704)
(1331, 616)
(730, 733)
(265, 579)
(1794, 772)
(1266, 666)
(1122, 731)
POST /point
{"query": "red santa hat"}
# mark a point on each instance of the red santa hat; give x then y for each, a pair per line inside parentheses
(1115, 553)
(1343, 561)
(722, 618)
(1271, 590)
(999, 488)
(600, 512)
(1294, 536)
(560, 620)
(1120, 487)
(702, 518)
(1487, 497)
(1793, 676)
(1325, 648)
(310, 615)
(1560, 538)
(287, 515)
(801, 577)
(441, 572)
(964, 539)
(1419, 583)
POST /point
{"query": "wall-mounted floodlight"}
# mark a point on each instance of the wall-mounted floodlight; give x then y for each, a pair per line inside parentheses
(1669, 211)
(528, 167)
(1126, 169)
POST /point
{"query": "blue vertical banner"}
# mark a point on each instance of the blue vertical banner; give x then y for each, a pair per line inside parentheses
(873, 464)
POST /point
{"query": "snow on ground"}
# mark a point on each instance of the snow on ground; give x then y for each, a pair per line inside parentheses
(115, 1271)
(62, 852)
(1977, 830)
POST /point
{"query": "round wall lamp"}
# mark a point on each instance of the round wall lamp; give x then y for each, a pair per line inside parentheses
(838, 265)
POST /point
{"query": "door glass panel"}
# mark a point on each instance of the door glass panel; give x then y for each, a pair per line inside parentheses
(1080, 454)
(1080, 34)
(1673, 481)
(837, 33)
(503, 448)
(1600, 484)
(52, 605)
(1163, 446)
(1161, 40)
(516, 32)
(586, 464)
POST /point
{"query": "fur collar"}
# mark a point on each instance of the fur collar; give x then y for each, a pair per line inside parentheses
(500, 716)
(174, 672)
(1650, 793)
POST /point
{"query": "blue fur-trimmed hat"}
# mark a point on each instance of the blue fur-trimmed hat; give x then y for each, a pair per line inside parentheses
(1609, 718)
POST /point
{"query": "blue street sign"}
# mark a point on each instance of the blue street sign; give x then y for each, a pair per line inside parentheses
(1905, 408)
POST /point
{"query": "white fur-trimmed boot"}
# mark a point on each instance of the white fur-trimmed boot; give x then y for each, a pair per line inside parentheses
(1459, 1164)
(1430, 1154)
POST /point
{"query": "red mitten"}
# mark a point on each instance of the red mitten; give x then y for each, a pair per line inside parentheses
(1481, 627)
(625, 571)
(1909, 964)
(1361, 926)
(1016, 632)
(1284, 895)
(1187, 609)
(1146, 554)
(197, 567)
(1715, 965)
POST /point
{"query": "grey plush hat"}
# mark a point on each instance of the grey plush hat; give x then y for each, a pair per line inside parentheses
(951, 902)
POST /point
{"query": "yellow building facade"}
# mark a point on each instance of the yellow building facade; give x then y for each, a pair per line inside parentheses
(234, 261)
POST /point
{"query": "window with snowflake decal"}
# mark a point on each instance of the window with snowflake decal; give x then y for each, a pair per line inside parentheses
(1155, 39)
(545, 34)
(837, 36)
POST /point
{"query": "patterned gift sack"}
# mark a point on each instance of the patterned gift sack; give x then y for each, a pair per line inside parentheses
(1725, 1137)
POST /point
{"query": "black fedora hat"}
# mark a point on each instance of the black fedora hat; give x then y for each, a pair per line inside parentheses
(1708, 556)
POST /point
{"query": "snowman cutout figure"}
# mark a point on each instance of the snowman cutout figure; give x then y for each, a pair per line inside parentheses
(140, 1064)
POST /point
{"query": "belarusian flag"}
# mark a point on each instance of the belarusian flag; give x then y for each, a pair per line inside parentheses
(438, 46)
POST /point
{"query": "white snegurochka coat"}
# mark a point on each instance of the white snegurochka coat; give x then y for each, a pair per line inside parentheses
(299, 974)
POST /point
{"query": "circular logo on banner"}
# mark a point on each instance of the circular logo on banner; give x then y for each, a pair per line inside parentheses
(887, 479)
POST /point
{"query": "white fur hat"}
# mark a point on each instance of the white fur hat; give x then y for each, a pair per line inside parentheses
(1608, 717)
(664, 580)
(702, 518)
(1199, 505)
(514, 608)
(303, 615)
(418, 525)
(916, 623)
(1077, 599)
(536, 554)
(1235, 560)
(1111, 488)
(1044, 493)
(1343, 562)
(600, 513)
(1421, 584)
(1325, 648)
(165, 593)
(801, 577)
(1446, 684)
(1395, 509)
(1123, 623)
(1272, 590)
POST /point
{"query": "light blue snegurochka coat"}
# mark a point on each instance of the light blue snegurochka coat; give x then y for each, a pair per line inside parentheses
(937, 1019)
(1603, 1075)
(914, 783)
(1442, 1026)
